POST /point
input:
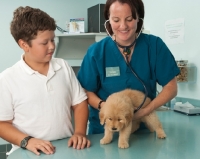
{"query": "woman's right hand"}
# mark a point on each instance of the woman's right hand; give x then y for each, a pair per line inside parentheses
(36, 145)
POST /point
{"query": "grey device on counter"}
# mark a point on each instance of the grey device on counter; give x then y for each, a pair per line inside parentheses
(187, 110)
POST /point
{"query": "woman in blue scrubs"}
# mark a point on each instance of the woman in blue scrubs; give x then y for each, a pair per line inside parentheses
(104, 69)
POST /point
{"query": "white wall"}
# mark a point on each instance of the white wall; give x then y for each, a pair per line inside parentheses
(157, 12)
(60, 10)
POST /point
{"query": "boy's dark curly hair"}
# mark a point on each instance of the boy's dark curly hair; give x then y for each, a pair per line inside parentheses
(28, 21)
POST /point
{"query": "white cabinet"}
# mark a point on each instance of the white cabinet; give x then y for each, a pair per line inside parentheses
(3, 142)
(73, 47)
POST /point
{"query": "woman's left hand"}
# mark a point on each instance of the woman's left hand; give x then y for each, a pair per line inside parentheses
(78, 141)
(168, 92)
(142, 112)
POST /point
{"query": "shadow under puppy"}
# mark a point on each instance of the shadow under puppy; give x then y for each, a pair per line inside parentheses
(117, 113)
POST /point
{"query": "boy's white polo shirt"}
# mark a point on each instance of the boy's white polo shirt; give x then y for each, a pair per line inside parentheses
(39, 105)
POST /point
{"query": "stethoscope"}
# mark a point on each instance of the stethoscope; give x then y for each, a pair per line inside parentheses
(127, 52)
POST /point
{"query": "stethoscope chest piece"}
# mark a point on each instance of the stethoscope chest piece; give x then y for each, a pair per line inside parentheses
(127, 51)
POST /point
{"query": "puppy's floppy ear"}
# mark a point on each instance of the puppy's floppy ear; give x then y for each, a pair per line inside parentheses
(102, 117)
(129, 117)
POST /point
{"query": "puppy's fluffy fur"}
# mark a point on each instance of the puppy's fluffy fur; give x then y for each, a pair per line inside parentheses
(117, 114)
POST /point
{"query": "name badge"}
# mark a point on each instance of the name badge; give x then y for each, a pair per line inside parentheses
(112, 71)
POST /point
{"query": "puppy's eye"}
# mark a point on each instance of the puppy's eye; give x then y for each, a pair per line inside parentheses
(119, 120)
(110, 118)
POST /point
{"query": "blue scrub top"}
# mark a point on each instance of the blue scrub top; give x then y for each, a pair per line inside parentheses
(151, 60)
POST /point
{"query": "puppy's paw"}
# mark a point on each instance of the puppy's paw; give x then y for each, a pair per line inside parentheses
(161, 134)
(104, 141)
(123, 145)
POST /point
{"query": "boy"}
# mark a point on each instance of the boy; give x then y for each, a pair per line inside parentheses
(38, 92)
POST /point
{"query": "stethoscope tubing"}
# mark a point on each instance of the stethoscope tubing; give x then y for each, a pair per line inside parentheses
(128, 64)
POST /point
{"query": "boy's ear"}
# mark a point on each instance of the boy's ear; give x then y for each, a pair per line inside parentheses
(23, 45)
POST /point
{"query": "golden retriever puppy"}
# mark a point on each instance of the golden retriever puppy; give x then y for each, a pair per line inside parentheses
(117, 113)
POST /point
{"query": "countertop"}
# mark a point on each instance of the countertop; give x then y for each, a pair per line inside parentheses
(182, 142)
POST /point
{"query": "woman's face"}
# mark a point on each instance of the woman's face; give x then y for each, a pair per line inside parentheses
(122, 23)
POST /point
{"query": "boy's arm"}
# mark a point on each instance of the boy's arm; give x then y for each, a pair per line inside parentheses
(79, 140)
(11, 134)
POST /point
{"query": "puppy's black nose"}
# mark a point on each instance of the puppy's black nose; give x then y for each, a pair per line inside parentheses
(114, 128)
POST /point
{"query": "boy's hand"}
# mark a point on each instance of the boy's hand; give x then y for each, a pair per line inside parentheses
(78, 141)
(36, 145)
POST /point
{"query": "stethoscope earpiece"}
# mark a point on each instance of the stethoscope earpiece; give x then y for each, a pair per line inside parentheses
(106, 28)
